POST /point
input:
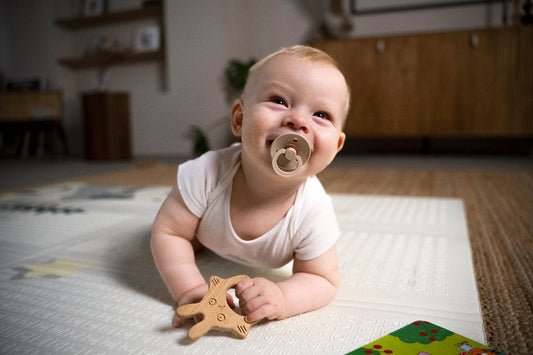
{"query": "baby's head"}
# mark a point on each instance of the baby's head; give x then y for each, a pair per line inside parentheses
(294, 90)
(302, 52)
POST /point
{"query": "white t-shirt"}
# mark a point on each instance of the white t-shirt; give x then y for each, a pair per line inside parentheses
(308, 230)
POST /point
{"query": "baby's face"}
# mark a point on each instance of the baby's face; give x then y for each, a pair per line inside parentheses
(288, 95)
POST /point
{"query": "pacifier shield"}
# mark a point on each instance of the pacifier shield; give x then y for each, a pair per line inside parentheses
(289, 153)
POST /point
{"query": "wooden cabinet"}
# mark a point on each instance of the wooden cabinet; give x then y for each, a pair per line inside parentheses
(154, 11)
(475, 83)
(107, 125)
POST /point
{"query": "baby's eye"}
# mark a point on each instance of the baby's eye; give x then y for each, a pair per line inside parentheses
(278, 100)
(321, 115)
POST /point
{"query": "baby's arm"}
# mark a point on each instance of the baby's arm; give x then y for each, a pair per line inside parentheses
(173, 231)
(313, 285)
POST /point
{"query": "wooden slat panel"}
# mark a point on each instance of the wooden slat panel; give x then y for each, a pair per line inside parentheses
(523, 99)
(439, 84)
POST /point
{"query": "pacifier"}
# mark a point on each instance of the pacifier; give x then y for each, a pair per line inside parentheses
(289, 153)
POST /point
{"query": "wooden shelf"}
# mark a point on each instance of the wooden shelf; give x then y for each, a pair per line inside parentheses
(150, 11)
(110, 59)
(104, 60)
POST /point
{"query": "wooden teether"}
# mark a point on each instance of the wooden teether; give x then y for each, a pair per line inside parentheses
(215, 310)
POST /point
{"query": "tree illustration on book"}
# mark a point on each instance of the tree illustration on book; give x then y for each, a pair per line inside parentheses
(424, 338)
(422, 332)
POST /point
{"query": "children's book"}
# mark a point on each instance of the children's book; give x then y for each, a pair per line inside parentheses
(424, 338)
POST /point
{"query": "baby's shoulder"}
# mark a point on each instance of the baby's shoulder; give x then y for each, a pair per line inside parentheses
(214, 162)
(202, 179)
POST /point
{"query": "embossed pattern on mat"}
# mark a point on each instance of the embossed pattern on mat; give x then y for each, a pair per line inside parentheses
(499, 210)
(77, 276)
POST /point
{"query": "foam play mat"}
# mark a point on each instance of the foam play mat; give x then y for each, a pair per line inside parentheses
(77, 276)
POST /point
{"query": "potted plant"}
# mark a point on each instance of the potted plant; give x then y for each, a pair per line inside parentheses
(235, 75)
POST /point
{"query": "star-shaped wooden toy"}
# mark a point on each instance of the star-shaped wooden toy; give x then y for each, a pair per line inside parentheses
(215, 310)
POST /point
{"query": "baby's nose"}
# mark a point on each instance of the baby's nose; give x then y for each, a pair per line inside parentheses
(297, 123)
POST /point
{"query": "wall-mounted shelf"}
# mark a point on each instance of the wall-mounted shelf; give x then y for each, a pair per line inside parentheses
(154, 11)
(74, 23)
(104, 60)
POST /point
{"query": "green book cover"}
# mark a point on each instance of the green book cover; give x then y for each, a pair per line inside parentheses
(424, 338)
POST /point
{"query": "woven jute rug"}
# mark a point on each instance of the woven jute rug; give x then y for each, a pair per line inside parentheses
(499, 212)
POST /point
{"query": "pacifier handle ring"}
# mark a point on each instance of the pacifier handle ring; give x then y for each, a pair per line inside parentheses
(284, 173)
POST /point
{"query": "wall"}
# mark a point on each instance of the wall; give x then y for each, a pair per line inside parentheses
(201, 36)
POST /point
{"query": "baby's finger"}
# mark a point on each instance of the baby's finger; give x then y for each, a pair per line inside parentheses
(264, 311)
(230, 301)
(250, 305)
(249, 294)
(177, 322)
(242, 286)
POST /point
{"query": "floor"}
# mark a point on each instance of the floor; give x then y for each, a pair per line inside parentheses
(23, 173)
(498, 207)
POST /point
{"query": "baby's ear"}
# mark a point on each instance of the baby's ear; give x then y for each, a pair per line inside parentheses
(236, 117)
(340, 142)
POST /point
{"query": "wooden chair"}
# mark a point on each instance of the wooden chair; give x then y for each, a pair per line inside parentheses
(25, 117)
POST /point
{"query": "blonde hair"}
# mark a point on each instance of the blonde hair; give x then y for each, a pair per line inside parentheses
(303, 52)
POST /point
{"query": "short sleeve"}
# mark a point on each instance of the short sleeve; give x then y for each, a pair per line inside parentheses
(318, 229)
(196, 179)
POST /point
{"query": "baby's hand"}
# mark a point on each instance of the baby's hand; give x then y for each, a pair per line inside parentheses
(260, 298)
(193, 296)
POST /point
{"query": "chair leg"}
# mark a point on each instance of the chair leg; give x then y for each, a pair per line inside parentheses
(52, 141)
(56, 132)
(63, 137)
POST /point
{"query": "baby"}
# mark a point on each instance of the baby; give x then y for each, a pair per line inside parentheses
(234, 203)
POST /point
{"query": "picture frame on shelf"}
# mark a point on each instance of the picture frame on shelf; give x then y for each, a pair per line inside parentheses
(148, 39)
(94, 7)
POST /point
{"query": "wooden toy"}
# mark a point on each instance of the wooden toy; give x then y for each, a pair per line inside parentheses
(289, 153)
(215, 310)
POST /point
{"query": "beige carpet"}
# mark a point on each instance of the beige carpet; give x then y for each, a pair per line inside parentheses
(499, 211)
